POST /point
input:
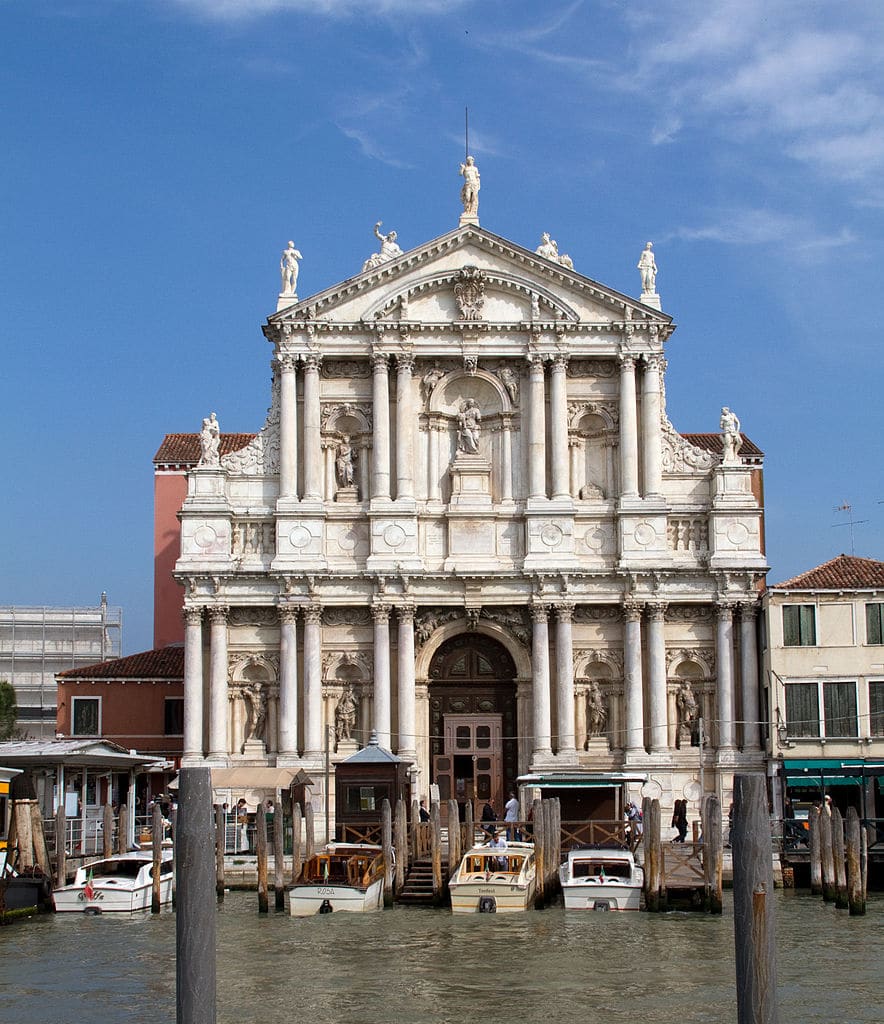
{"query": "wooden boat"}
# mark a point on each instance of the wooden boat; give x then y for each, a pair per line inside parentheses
(601, 880)
(494, 879)
(343, 876)
(120, 884)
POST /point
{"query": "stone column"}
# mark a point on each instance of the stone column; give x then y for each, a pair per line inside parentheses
(407, 748)
(288, 427)
(575, 447)
(580, 715)
(652, 433)
(628, 429)
(288, 680)
(725, 656)
(362, 468)
(632, 672)
(312, 433)
(657, 677)
(404, 427)
(749, 677)
(313, 745)
(218, 747)
(565, 680)
(540, 682)
(330, 451)
(193, 683)
(506, 467)
(536, 430)
(382, 726)
(558, 397)
(380, 466)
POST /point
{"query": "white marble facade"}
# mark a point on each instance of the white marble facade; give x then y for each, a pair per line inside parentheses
(510, 474)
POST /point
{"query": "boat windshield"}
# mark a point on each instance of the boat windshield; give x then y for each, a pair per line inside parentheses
(115, 868)
(496, 863)
(591, 868)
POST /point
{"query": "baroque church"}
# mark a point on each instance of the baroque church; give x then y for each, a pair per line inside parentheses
(469, 527)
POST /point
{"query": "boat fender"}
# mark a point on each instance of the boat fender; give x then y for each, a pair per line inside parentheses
(325, 907)
(92, 911)
(487, 905)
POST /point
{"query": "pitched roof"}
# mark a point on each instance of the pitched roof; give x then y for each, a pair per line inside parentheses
(713, 443)
(846, 572)
(162, 663)
(185, 448)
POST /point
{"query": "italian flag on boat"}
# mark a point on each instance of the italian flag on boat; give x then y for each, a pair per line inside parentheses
(89, 891)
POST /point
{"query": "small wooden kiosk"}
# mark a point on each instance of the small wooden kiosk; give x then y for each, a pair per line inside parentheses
(362, 782)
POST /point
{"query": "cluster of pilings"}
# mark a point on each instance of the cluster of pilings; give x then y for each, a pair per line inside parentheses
(838, 858)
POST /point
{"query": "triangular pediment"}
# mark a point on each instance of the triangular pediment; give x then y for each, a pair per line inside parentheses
(470, 275)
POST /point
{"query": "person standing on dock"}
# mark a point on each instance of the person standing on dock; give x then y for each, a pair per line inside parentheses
(511, 816)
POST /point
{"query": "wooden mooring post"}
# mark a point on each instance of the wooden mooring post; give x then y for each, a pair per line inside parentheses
(195, 919)
(654, 890)
(713, 854)
(436, 850)
(400, 845)
(107, 831)
(156, 837)
(838, 859)
(469, 827)
(261, 854)
(816, 864)
(415, 830)
(754, 919)
(856, 896)
(297, 823)
(220, 846)
(279, 857)
(826, 858)
(387, 846)
(539, 852)
(61, 837)
(123, 829)
(454, 837)
(309, 832)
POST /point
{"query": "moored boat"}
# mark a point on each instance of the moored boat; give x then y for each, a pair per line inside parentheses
(494, 878)
(601, 880)
(343, 876)
(118, 884)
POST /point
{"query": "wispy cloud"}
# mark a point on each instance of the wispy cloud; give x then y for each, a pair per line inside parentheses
(244, 10)
(372, 147)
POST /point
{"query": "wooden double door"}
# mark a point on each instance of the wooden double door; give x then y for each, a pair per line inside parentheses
(471, 768)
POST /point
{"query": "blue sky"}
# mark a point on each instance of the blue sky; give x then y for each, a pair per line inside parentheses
(158, 155)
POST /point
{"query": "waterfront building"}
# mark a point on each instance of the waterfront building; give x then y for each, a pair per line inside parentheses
(469, 525)
(36, 643)
(823, 661)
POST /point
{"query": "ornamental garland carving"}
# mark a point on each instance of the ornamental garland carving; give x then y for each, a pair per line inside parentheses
(357, 661)
(591, 368)
(702, 656)
(330, 411)
(253, 617)
(689, 613)
(260, 457)
(345, 369)
(608, 411)
(597, 613)
(238, 663)
(680, 456)
(469, 292)
(514, 619)
(346, 617)
(612, 659)
(426, 623)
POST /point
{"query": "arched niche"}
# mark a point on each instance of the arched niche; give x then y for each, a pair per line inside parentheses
(593, 432)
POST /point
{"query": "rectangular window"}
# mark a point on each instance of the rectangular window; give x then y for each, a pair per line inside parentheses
(173, 724)
(802, 709)
(839, 708)
(86, 716)
(875, 623)
(799, 625)
(876, 708)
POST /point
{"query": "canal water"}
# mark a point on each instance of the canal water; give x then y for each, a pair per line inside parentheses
(410, 966)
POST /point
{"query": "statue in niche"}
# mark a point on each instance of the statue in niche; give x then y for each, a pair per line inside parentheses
(389, 249)
(345, 459)
(210, 442)
(510, 380)
(731, 441)
(647, 266)
(688, 714)
(469, 420)
(469, 194)
(345, 715)
(549, 249)
(288, 269)
(596, 711)
(256, 712)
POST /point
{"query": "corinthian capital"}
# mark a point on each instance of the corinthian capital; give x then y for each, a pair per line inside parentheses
(564, 611)
(192, 615)
(380, 613)
(313, 613)
(218, 614)
(288, 613)
(379, 362)
(632, 610)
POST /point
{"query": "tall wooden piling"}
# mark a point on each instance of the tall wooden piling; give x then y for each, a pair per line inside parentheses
(549, 848)
(297, 823)
(454, 837)
(653, 854)
(309, 832)
(61, 836)
(469, 826)
(24, 833)
(279, 858)
(123, 829)
(436, 850)
(387, 847)
(713, 853)
(261, 855)
(220, 846)
(195, 919)
(415, 830)
(107, 831)
(156, 837)
(41, 850)
(539, 853)
(816, 863)
(838, 859)
(826, 858)
(754, 918)
(400, 843)
(856, 897)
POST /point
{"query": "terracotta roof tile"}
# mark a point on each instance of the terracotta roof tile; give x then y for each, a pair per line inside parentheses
(162, 663)
(712, 443)
(846, 572)
(185, 448)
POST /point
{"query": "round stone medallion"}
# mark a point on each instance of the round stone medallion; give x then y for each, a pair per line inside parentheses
(394, 536)
(596, 539)
(205, 537)
(347, 539)
(300, 537)
(645, 534)
(652, 789)
(551, 535)
(737, 534)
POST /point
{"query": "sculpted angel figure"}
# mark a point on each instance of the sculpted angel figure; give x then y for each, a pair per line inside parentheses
(389, 249)
(288, 269)
(647, 266)
(469, 193)
(469, 420)
(210, 442)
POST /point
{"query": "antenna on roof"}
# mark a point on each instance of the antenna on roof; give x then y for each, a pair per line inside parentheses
(845, 506)
(466, 132)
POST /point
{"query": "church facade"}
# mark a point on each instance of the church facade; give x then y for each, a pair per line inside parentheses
(468, 526)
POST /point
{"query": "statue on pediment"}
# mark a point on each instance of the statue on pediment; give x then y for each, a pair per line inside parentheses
(549, 249)
(731, 439)
(389, 249)
(647, 266)
(469, 420)
(469, 194)
(210, 442)
(288, 269)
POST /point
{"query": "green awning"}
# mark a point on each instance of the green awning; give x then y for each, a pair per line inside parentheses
(832, 766)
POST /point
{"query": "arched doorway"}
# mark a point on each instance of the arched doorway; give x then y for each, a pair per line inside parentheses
(473, 741)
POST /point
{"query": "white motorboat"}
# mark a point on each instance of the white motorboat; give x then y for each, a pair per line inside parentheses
(344, 876)
(601, 880)
(119, 884)
(494, 879)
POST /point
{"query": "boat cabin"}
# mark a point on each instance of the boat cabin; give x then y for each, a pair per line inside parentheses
(343, 867)
(593, 867)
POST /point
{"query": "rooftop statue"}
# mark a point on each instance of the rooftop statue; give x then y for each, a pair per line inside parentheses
(469, 194)
(647, 266)
(389, 249)
(731, 439)
(288, 269)
(549, 249)
(210, 442)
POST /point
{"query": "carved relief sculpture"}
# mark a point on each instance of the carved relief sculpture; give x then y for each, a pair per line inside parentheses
(389, 249)
(210, 442)
(469, 291)
(288, 269)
